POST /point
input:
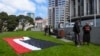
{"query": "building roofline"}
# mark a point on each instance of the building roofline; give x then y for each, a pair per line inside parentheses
(88, 17)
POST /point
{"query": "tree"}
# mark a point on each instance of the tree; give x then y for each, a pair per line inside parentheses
(3, 16)
(3, 19)
(24, 20)
(12, 22)
(21, 19)
(29, 19)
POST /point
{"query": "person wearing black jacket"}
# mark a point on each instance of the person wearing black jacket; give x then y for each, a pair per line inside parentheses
(86, 33)
(49, 30)
(76, 30)
(46, 30)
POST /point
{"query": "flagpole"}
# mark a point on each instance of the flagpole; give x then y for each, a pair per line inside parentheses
(70, 12)
(94, 13)
(80, 11)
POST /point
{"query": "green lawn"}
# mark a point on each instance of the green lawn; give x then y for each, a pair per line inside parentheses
(67, 49)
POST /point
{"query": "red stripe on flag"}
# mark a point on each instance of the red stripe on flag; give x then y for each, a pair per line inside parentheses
(18, 48)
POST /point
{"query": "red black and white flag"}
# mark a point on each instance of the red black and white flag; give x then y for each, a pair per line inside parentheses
(28, 44)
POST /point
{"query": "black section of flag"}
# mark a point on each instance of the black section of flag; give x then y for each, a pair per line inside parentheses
(39, 43)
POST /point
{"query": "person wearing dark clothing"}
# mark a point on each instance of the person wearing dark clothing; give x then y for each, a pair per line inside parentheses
(86, 33)
(49, 30)
(76, 30)
(46, 30)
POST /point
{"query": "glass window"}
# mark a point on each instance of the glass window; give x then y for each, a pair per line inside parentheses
(98, 22)
(99, 6)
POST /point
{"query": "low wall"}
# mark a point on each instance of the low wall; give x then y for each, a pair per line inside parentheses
(95, 34)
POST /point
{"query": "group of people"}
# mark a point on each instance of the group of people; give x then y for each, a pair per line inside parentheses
(47, 30)
(76, 29)
(86, 33)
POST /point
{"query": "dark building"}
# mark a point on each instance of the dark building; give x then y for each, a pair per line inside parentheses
(85, 10)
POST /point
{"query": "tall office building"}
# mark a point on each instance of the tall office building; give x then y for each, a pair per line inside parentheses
(85, 10)
(30, 15)
(58, 12)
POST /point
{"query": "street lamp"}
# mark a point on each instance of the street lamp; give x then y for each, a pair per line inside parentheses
(70, 13)
(80, 11)
(94, 13)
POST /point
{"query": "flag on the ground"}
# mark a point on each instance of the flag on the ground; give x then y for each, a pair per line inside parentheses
(28, 44)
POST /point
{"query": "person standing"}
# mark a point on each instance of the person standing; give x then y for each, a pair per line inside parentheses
(76, 30)
(46, 30)
(49, 30)
(86, 33)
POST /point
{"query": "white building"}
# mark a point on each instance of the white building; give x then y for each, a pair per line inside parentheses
(58, 12)
(40, 24)
(31, 15)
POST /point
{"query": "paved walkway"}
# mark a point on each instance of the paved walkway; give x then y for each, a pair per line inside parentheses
(63, 39)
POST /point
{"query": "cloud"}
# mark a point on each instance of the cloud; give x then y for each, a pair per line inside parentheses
(44, 8)
(41, 15)
(42, 11)
(41, 1)
(22, 13)
(17, 7)
(4, 8)
(14, 5)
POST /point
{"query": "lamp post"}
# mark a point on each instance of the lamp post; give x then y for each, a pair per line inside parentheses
(70, 12)
(80, 11)
(94, 13)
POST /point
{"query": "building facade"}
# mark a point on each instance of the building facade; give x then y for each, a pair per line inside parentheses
(31, 15)
(58, 12)
(85, 10)
(40, 24)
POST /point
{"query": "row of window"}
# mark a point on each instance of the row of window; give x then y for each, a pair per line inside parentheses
(60, 2)
(90, 10)
(91, 22)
